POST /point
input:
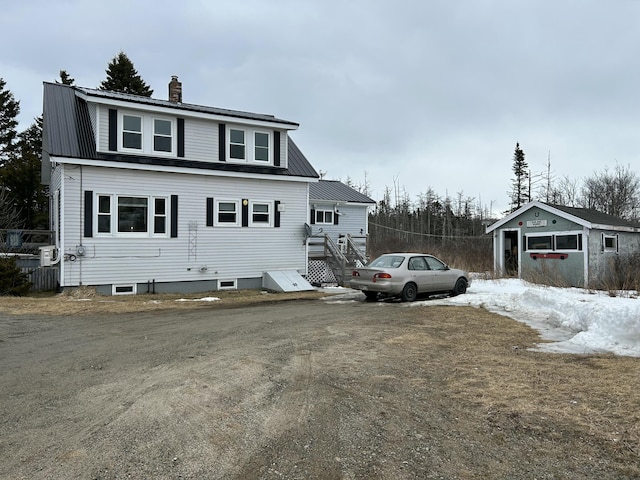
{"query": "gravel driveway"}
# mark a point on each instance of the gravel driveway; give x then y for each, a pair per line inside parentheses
(298, 390)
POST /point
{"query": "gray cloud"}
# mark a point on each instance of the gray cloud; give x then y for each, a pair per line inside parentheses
(424, 94)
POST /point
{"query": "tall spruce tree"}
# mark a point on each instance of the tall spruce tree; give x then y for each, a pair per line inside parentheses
(123, 77)
(519, 191)
(9, 110)
(65, 78)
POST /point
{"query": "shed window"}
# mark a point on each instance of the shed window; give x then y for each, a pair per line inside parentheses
(569, 242)
(540, 242)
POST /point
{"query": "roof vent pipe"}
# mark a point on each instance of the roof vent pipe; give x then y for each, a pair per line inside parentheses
(175, 90)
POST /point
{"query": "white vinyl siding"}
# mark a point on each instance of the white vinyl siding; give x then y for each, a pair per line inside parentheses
(229, 253)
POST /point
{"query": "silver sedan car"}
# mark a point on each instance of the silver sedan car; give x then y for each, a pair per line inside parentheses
(407, 275)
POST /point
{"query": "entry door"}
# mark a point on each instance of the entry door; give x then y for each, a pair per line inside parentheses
(511, 253)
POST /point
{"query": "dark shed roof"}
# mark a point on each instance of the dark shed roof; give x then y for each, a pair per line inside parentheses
(67, 132)
(334, 190)
(596, 217)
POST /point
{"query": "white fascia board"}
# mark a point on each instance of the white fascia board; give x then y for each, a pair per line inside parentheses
(182, 170)
(185, 113)
(342, 202)
(542, 206)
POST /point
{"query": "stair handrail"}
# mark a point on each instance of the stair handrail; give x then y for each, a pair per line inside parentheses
(354, 251)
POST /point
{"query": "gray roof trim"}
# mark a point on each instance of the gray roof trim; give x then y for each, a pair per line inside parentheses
(588, 218)
(108, 96)
(68, 133)
(336, 191)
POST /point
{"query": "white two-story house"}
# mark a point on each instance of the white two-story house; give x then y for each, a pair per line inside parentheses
(159, 195)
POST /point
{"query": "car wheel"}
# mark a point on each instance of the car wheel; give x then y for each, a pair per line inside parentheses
(460, 287)
(409, 292)
(370, 296)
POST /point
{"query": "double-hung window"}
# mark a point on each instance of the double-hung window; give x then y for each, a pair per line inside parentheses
(227, 213)
(237, 146)
(104, 214)
(132, 132)
(261, 147)
(159, 216)
(248, 145)
(260, 214)
(162, 135)
(147, 134)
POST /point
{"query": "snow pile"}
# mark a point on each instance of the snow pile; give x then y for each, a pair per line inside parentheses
(576, 320)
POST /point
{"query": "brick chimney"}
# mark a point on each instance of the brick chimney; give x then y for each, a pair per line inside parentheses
(175, 90)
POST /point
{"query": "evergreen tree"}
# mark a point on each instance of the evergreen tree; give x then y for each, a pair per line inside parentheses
(123, 77)
(519, 192)
(65, 78)
(20, 175)
(9, 110)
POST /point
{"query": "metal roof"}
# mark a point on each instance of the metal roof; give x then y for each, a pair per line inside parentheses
(586, 217)
(67, 132)
(596, 217)
(334, 190)
(128, 97)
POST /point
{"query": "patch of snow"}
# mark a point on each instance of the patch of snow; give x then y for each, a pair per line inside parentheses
(203, 299)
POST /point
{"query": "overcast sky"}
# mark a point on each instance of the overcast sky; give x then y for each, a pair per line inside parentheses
(416, 93)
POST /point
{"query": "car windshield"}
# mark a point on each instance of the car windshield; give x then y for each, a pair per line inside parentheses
(387, 261)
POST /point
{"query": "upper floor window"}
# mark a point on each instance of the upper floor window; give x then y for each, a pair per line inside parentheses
(236, 144)
(132, 132)
(249, 145)
(162, 135)
(147, 134)
(261, 146)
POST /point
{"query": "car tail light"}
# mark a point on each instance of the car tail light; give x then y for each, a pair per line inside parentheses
(355, 273)
(381, 275)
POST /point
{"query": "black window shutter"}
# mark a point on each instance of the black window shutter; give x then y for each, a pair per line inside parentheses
(276, 214)
(276, 149)
(245, 212)
(209, 212)
(222, 142)
(313, 216)
(181, 137)
(88, 213)
(174, 216)
(336, 216)
(113, 129)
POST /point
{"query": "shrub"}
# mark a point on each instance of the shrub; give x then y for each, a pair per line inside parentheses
(12, 280)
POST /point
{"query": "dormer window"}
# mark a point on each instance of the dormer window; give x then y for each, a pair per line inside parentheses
(236, 144)
(147, 134)
(261, 146)
(161, 135)
(132, 132)
(249, 145)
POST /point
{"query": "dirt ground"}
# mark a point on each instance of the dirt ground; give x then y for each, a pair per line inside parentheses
(256, 387)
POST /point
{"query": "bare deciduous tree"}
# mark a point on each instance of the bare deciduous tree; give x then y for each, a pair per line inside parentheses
(616, 193)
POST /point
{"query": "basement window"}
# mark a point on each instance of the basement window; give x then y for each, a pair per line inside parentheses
(228, 284)
(128, 289)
